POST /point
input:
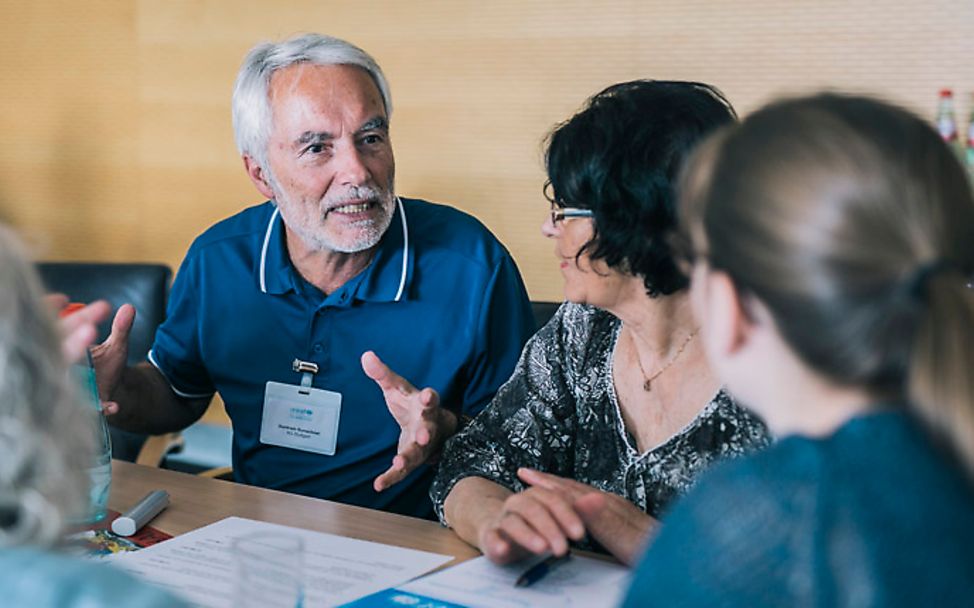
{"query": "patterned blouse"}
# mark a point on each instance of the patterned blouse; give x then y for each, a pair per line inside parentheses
(559, 413)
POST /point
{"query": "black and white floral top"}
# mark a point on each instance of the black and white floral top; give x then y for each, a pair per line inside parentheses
(559, 413)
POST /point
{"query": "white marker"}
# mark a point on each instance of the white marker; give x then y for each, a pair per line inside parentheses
(130, 522)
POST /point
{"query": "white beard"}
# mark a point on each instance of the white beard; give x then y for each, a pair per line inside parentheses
(307, 221)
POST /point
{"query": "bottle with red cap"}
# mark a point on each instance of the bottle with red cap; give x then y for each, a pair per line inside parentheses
(99, 469)
(970, 141)
(947, 123)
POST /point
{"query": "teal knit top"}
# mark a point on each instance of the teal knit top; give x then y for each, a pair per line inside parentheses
(873, 515)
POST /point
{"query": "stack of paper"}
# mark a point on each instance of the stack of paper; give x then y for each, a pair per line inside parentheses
(199, 565)
(581, 581)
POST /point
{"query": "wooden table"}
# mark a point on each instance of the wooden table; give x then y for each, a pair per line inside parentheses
(198, 501)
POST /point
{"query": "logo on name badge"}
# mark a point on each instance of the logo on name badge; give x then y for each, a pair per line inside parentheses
(300, 413)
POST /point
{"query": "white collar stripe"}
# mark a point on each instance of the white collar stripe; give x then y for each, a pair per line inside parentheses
(263, 251)
(405, 249)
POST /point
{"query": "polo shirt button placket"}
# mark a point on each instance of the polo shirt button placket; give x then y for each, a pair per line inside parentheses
(317, 347)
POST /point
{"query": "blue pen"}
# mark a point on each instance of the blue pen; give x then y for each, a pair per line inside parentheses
(538, 571)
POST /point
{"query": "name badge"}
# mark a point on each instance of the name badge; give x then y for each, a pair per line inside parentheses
(302, 418)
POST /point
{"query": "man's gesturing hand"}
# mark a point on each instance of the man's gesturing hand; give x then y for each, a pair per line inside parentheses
(425, 425)
(110, 356)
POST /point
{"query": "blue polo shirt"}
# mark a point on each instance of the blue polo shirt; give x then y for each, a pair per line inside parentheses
(442, 303)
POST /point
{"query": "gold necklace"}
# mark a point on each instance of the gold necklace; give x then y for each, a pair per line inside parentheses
(648, 384)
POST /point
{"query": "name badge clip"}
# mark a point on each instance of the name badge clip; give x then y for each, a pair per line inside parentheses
(306, 369)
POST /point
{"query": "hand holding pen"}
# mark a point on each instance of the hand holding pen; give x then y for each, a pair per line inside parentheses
(553, 511)
(622, 528)
(536, 521)
(541, 569)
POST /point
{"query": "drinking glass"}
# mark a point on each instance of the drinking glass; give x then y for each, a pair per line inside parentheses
(269, 570)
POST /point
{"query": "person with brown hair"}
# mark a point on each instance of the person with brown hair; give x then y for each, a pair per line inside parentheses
(832, 241)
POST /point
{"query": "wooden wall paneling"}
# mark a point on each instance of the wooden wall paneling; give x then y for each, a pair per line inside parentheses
(117, 142)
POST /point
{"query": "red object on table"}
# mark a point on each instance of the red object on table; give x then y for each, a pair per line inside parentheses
(71, 308)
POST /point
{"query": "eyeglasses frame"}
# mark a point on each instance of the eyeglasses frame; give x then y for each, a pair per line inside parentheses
(562, 213)
(559, 211)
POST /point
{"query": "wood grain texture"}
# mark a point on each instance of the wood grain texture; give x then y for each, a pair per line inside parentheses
(198, 501)
(117, 142)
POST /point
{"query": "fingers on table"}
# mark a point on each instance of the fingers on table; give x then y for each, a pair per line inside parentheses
(499, 549)
(551, 482)
(541, 521)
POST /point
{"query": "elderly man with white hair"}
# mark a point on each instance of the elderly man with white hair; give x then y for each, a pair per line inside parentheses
(297, 310)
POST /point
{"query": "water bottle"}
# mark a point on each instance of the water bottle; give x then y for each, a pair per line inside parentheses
(99, 468)
(100, 473)
(947, 123)
(970, 141)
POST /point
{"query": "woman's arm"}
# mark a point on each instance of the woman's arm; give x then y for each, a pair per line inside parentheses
(506, 526)
(543, 519)
(528, 423)
(471, 505)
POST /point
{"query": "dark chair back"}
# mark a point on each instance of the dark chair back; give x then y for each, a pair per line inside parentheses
(542, 312)
(145, 286)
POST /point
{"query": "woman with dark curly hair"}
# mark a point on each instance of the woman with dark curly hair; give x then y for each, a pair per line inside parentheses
(612, 411)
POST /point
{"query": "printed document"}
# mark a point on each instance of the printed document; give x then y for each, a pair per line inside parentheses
(199, 565)
(478, 583)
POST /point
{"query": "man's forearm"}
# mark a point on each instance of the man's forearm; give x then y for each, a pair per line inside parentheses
(147, 404)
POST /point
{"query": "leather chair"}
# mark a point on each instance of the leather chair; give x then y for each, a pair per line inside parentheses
(146, 286)
(543, 311)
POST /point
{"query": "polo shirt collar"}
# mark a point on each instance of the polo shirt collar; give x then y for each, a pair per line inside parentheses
(387, 279)
(274, 268)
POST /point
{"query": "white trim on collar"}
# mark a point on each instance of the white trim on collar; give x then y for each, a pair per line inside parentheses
(405, 249)
(263, 250)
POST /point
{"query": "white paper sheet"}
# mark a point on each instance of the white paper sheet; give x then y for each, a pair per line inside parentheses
(478, 583)
(199, 566)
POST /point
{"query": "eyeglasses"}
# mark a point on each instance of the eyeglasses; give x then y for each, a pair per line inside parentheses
(561, 213)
